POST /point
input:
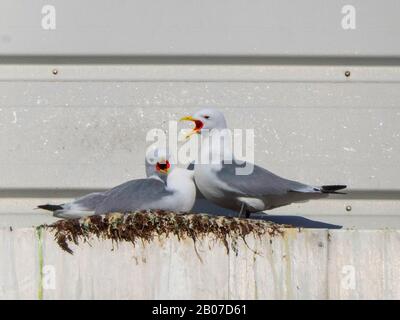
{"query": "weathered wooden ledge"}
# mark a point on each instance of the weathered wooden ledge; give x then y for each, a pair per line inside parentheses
(243, 260)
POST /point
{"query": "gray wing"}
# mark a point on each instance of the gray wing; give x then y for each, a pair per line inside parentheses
(199, 195)
(191, 166)
(90, 201)
(133, 195)
(260, 182)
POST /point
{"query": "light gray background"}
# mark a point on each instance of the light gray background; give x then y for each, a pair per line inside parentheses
(280, 62)
(208, 27)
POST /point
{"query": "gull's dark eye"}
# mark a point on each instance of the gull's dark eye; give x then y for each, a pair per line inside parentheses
(207, 117)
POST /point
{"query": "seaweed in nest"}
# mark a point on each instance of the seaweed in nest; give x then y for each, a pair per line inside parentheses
(146, 225)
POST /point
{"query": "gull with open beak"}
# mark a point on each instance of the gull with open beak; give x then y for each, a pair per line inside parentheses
(257, 191)
(198, 125)
(166, 188)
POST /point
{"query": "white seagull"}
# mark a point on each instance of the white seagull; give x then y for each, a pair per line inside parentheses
(257, 191)
(167, 188)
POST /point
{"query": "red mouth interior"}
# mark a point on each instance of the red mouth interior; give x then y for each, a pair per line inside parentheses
(198, 124)
(163, 166)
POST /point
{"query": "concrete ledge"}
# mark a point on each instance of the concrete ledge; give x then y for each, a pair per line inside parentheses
(299, 264)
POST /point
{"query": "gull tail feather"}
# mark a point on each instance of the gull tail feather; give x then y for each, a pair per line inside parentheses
(333, 189)
(50, 207)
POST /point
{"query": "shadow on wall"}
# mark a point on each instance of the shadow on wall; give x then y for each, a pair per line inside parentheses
(204, 206)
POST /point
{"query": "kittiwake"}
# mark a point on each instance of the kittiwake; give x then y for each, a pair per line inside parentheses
(257, 191)
(166, 188)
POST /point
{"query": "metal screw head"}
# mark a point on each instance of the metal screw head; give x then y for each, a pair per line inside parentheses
(347, 74)
(348, 208)
(55, 71)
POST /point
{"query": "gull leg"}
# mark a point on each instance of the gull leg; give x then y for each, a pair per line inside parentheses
(243, 211)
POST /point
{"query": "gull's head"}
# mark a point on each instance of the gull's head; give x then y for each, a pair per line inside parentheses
(206, 119)
(158, 162)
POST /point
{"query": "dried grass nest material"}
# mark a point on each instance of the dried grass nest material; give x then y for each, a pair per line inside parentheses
(145, 226)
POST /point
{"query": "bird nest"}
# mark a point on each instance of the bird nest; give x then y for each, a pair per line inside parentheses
(145, 226)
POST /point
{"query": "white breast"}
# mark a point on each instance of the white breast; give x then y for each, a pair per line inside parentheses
(209, 184)
(181, 184)
(255, 204)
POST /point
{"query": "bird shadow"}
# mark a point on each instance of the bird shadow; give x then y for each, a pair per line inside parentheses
(204, 206)
(297, 221)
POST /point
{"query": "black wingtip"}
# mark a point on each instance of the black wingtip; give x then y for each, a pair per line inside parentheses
(50, 207)
(333, 189)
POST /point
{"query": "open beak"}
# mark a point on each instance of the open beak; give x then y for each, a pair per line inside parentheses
(163, 167)
(198, 125)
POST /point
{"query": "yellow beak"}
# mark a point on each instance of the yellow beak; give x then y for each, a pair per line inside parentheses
(195, 130)
(187, 118)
